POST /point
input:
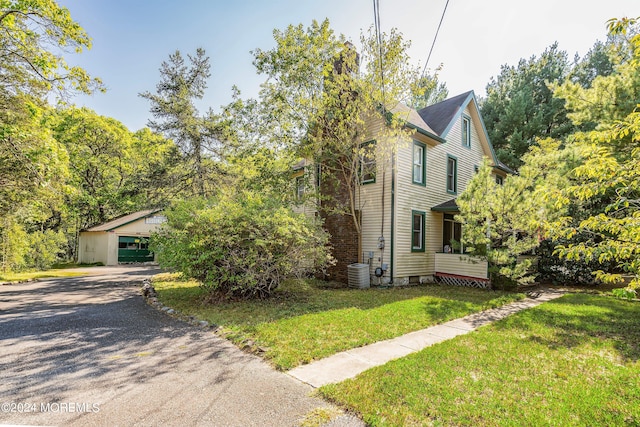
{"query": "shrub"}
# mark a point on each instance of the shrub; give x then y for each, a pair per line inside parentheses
(45, 249)
(624, 293)
(240, 247)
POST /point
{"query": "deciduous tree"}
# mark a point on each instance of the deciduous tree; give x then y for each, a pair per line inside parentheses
(611, 169)
(322, 94)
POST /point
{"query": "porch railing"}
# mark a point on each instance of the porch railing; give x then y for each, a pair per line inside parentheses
(461, 265)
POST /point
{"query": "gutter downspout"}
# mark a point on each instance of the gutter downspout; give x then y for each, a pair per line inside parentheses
(393, 214)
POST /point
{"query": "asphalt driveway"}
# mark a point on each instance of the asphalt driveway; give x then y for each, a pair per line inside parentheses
(89, 351)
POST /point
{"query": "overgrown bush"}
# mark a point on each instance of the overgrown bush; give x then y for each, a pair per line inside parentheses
(45, 249)
(241, 246)
(37, 250)
(624, 293)
(558, 270)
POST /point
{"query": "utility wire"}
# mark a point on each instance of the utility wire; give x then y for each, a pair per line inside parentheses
(434, 39)
(376, 20)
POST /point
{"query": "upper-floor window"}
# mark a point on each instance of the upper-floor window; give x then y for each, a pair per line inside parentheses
(300, 187)
(318, 176)
(499, 180)
(466, 131)
(452, 174)
(419, 161)
(368, 162)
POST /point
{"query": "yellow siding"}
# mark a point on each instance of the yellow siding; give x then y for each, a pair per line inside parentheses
(310, 206)
(375, 204)
(136, 228)
(461, 265)
(93, 247)
(411, 196)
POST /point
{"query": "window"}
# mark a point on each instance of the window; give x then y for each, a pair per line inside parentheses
(466, 131)
(419, 157)
(318, 176)
(368, 162)
(417, 231)
(299, 187)
(452, 174)
(451, 235)
(499, 180)
(156, 219)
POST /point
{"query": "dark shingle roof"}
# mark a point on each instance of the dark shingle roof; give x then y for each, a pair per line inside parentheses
(438, 116)
(448, 206)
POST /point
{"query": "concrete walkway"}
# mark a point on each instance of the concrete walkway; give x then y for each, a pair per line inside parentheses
(348, 364)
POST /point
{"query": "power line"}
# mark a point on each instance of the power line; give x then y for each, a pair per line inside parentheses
(376, 21)
(434, 38)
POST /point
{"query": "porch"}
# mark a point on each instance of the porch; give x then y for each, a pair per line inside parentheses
(461, 270)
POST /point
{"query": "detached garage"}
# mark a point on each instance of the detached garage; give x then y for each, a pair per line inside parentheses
(123, 240)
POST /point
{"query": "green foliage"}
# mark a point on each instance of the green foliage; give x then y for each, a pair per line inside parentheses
(240, 246)
(33, 165)
(37, 250)
(113, 171)
(428, 91)
(320, 98)
(558, 270)
(33, 34)
(199, 136)
(14, 247)
(610, 171)
(502, 222)
(624, 293)
(520, 106)
(45, 249)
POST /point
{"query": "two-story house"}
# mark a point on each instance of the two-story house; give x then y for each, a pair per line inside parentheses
(407, 205)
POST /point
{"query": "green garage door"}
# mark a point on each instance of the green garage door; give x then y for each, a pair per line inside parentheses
(134, 249)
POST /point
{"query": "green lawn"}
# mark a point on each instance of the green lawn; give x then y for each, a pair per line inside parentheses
(305, 321)
(20, 277)
(572, 361)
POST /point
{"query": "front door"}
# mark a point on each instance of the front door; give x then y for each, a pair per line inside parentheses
(134, 249)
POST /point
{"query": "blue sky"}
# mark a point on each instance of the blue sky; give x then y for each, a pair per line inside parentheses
(132, 37)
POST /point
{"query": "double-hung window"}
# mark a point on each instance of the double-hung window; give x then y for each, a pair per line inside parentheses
(466, 131)
(452, 174)
(417, 231)
(300, 187)
(419, 163)
(368, 162)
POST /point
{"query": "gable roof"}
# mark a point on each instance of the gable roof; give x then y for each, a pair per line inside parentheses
(413, 120)
(441, 116)
(123, 220)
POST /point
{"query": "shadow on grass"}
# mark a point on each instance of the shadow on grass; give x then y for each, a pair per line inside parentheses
(579, 319)
(301, 297)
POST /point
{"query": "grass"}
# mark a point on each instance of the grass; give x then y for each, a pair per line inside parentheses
(32, 275)
(572, 361)
(305, 321)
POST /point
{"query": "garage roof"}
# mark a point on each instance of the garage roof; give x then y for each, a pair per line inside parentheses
(123, 220)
